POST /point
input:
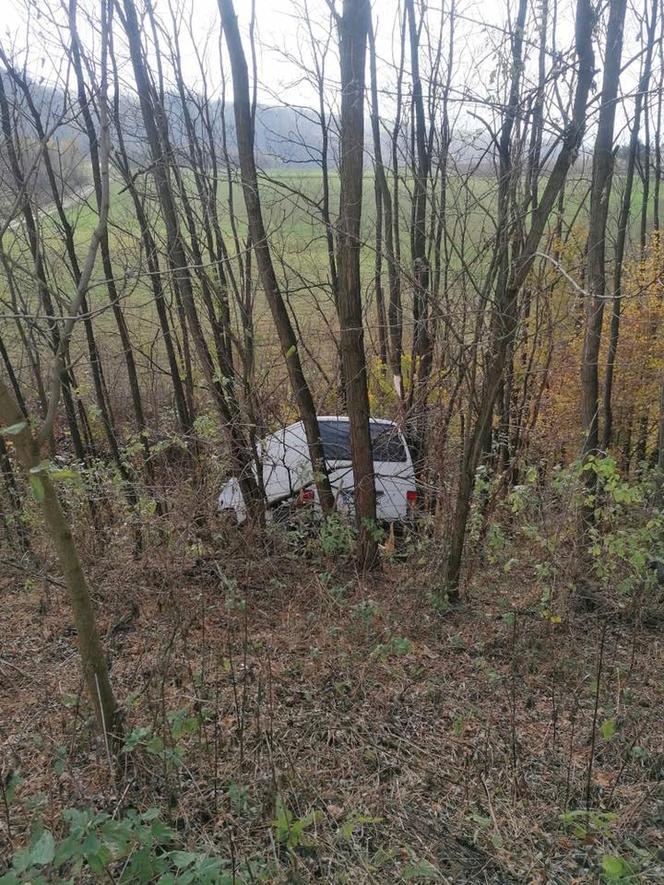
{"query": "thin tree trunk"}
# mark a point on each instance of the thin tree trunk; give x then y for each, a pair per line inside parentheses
(118, 314)
(378, 278)
(239, 447)
(156, 283)
(384, 198)
(395, 309)
(623, 225)
(40, 275)
(421, 271)
(95, 668)
(600, 191)
(289, 346)
(17, 534)
(660, 435)
(353, 27)
(506, 299)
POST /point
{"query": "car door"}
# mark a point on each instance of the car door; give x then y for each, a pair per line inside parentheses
(286, 466)
(335, 436)
(393, 469)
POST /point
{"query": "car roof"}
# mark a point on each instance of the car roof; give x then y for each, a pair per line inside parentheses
(297, 427)
(345, 418)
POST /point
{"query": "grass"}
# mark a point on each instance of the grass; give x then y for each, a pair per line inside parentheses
(290, 202)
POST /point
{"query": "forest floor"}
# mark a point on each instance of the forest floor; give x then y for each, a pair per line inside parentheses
(310, 725)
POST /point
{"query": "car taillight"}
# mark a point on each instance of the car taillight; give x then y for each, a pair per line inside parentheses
(411, 498)
(307, 496)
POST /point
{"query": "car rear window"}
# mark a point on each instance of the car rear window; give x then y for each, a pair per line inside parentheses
(385, 441)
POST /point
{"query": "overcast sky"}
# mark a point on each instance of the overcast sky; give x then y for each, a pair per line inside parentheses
(280, 33)
(282, 41)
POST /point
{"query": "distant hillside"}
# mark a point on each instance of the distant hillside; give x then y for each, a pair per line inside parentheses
(284, 136)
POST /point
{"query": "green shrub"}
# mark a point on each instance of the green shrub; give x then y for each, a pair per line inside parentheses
(337, 535)
(135, 848)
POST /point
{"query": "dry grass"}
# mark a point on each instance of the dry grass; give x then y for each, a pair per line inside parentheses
(458, 739)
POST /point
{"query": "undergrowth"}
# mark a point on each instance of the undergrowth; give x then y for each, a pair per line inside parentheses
(287, 720)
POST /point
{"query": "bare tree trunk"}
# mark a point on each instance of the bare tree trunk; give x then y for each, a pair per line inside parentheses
(422, 346)
(12, 516)
(95, 668)
(353, 25)
(27, 443)
(152, 113)
(384, 201)
(13, 380)
(68, 235)
(118, 314)
(289, 346)
(660, 435)
(600, 192)
(324, 119)
(40, 277)
(505, 313)
(645, 176)
(381, 317)
(395, 309)
(658, 131)
(151, 257)
(96, 367)
(623, 225)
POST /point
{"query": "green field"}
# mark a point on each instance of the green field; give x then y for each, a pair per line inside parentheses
(292, 208)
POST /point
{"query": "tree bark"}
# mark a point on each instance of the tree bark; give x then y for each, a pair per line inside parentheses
(621, 238)
(152, 114)
(392, 345)
(600, 191)
(505, 309)
(353, 27)
(244, 127)
(40, 277)
(95, 668)
(421, 272)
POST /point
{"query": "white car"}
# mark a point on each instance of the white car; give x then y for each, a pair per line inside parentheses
(288, 477)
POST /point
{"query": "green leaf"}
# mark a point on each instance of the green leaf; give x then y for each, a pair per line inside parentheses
(96, 853)
(141, 867)
(134, 738)
(497, 840)
(183, 859)
(13, 429)
(37, 487)
(63, 474)
(160, 832)
(155, 745)
(421, 870)
(43, 851)
(117, 834)
(357, 820)
(608, 729)
(22, 860)
(13, 780)
(613, 867)
(67, 851)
